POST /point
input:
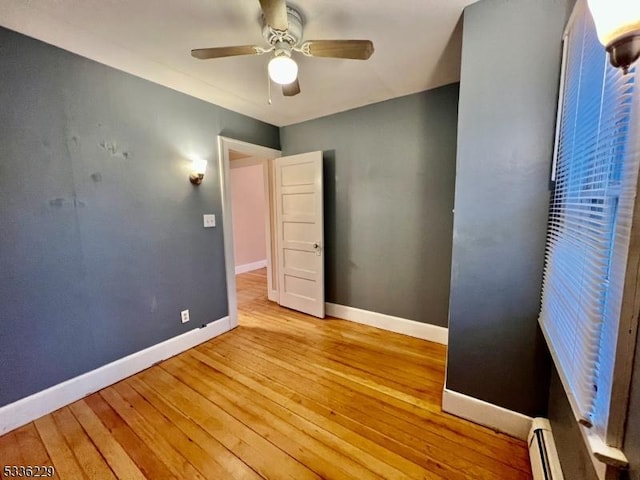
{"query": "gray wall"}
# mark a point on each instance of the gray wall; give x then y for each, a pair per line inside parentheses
(508, 95)
(572, 450)
(388, 174)
(631, 445)
(101, 238)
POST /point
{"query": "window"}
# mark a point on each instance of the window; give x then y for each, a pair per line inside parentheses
(590, 219)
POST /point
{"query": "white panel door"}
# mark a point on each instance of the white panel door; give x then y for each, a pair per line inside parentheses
(300, 229)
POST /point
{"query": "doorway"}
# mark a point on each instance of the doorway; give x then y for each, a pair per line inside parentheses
(251, 162)
(294, 238)
(249, 211)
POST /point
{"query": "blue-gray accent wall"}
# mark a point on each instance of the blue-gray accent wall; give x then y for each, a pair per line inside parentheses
(508, 97)
(389, 173)
(573, 453)
(631, 446)
(101, 236)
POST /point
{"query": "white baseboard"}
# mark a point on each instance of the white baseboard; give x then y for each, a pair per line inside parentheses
(412, 328)
(483, 413)
(46, 401)
(249, 267)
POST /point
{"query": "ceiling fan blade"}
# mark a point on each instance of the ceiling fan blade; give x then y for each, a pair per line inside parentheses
(219, 52)
(275, 13)
(353, 49)
(292, 89)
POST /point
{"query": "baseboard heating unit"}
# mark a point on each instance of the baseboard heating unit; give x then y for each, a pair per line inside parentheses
(545, 463)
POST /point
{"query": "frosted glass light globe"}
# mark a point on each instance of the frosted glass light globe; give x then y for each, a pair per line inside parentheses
(199, 166)
(283, 69)
(615, 19)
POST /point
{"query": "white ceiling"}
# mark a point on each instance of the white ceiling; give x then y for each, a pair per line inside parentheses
(417, 47)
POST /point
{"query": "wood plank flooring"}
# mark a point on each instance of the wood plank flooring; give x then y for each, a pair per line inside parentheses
(283, 396)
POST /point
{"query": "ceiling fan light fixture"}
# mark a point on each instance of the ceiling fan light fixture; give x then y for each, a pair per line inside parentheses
(283, 69)
(618, 27)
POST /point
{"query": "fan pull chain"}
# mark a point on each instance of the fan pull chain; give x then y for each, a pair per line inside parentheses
(269, 88)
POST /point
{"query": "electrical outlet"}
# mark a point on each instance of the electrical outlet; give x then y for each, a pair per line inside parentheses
(209, 220)
(184, 315)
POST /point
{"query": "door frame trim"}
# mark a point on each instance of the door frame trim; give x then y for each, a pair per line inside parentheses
(224, 145)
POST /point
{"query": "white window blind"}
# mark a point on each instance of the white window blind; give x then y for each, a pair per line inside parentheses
(596, 169)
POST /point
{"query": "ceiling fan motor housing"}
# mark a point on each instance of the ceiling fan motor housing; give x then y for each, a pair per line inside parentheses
(292, 35)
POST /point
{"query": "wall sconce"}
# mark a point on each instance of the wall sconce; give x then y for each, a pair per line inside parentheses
(618, 26)
(198, 169)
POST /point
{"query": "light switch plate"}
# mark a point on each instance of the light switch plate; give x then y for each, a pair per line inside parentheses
(209, 220)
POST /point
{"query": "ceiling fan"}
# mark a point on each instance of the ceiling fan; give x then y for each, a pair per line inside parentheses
(282, 28)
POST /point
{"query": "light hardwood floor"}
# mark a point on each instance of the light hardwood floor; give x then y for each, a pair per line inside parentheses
(282, 396)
